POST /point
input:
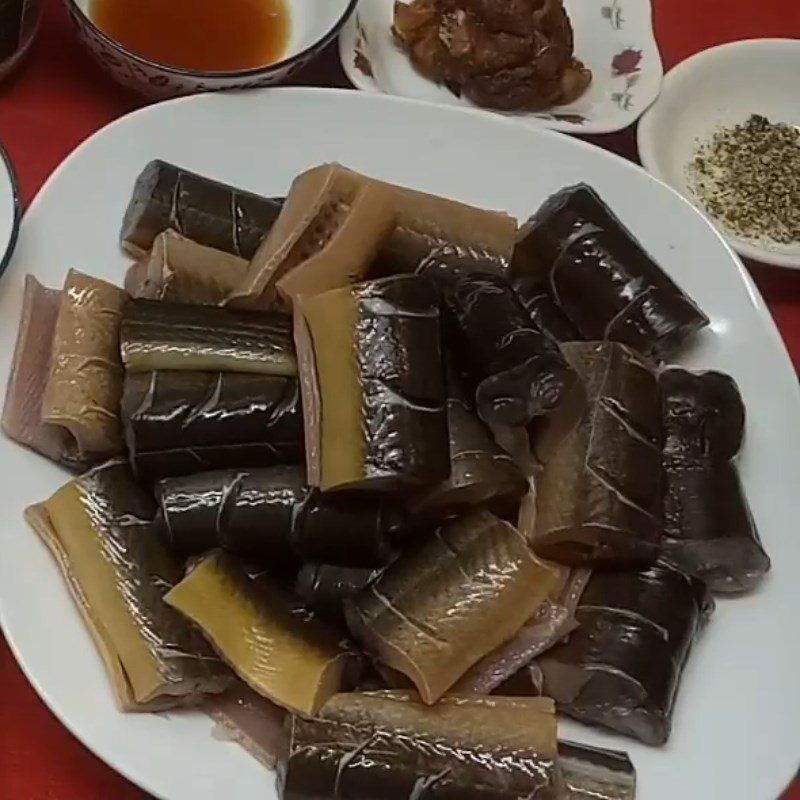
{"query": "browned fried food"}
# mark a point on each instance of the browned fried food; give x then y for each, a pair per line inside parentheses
(504, 54)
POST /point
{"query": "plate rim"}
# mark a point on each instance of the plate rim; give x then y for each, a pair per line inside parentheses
(346, 48)
(16, 200)
(765, 318)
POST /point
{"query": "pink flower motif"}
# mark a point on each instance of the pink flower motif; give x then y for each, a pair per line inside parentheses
(626, 62)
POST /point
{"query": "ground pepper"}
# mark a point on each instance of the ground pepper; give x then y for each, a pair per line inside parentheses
(748, 178)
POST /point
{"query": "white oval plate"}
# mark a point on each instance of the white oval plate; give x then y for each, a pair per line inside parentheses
(614, 38)
(9, 209)
(721, 87)
(737, 723)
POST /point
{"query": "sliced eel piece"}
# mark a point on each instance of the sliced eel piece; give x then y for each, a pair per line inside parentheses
(600, 276)
(84, 384)
(327, 218)
(598, 493)
(30, 369)
(592, 773)
(708, 527)
(389, 745)
(278, 650)
(518, 372)
(349, 253)
(480, 470)
(331, 227)
(177, 336)
(207, 211)
(382, 420)
(100, 529)
(179, 423)
(622, 667)
(439, 609)
(178, 270)
(272, 513)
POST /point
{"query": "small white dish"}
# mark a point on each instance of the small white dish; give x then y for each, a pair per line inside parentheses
(10, 211)
(313, 25)
(716, 88)
(613, 38)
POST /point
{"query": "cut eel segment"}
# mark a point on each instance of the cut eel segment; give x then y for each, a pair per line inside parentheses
(480, 470)
(336, 217)
(389, 745)
(99, 528)
(178, 270)
(181, 337)
(30, 370)
(84, 387)
(600, 276)
(598, 494)
(708, 527)
(179, 423)
(64, 391)
(272, 514)
(276, 648)
(382, 422)
(622, 667)
(438, 610)
(592, 773)
(66, 378)
(206, 211)
(518, 372)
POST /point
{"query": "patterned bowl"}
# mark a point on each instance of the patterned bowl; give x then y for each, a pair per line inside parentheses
(313, 26)
(614, 38)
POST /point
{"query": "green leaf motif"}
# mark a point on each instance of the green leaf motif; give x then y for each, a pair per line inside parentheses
(613, 13)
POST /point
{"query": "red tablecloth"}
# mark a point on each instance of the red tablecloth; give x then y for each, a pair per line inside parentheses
(56, 101)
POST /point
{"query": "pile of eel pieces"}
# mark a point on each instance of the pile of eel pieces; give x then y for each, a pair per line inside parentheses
(383, 481)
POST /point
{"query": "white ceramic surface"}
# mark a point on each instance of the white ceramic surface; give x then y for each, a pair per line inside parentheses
(737, 721)
(313, 26)
(9, 209)
(614, 38)
(720, 87)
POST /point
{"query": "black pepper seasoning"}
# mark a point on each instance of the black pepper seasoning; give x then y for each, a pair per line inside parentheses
(748, 178)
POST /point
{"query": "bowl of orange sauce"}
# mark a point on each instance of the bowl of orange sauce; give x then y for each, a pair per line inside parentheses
(166, 48)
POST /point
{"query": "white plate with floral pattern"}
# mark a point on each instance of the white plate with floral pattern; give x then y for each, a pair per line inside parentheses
(613, 38)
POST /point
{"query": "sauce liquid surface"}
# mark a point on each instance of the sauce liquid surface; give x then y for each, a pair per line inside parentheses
(209, 35)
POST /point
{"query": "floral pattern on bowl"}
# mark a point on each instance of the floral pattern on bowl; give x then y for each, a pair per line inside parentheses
(312, 32)
(614, 38)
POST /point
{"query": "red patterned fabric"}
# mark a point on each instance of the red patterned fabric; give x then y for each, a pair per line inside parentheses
(58, 99)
